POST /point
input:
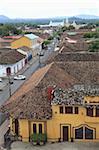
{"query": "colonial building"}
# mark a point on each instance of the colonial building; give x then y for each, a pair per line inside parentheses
(29, 40)
(11, 61)
(58, 102)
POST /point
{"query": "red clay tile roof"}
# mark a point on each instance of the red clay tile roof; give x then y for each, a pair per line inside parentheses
(5, 40)
(77, 56)
(14, 37)
(31, 100)
(9, 56)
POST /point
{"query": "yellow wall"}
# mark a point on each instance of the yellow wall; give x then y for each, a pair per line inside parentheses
(37, 125)
(24, 129)
(58, 120)
(54, 126)
(23, 41)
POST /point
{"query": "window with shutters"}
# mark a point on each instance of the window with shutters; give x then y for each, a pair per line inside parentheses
(79, 133)
(88, 133)
(97, 112)
(76, 110)
(40, 128)
(34, 128)
(68, 110)
(61, 110)
(89, 111)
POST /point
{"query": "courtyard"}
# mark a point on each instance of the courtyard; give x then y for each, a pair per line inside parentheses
(56, 146)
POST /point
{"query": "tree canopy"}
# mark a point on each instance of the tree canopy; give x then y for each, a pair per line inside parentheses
(8, 29)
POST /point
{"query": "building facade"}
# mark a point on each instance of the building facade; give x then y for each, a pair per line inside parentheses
(73, 118)
(11, 61)
(29, 40)
(52, 102)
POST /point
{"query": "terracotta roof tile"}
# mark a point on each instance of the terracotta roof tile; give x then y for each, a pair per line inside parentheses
(9, 56)
(31, 100)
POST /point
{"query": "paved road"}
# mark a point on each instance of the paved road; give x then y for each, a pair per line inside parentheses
(57, 146)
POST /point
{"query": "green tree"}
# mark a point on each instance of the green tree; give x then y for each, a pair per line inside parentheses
(8, 29)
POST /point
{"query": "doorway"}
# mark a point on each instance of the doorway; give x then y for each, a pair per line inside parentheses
(65, 133)
(8, 71)
(16, 126)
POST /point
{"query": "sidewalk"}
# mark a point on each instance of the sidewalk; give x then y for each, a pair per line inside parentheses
(33, 60)
(56, 146)
(2, 85)
(3, 130)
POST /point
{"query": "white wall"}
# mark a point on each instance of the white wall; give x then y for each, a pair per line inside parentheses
(14, 68)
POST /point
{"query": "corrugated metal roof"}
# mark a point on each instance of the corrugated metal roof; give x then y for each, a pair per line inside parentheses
(31, 36)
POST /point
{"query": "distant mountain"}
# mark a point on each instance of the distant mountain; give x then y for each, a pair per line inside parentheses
(78, 18)
(87, 16)
(4, 18)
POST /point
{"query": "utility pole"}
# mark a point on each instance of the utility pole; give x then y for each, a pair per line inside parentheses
(9, 85)
(39, 60)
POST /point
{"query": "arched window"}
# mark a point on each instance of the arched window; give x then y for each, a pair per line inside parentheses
(8, 71)
(88, 133)
(79, 133)
(34, 128)
(40, 128)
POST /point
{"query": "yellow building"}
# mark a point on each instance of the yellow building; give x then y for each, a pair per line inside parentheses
(64, 114)
(22, 41)
(29, 40)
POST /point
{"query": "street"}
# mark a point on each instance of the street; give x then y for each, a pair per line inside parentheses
(56, 146)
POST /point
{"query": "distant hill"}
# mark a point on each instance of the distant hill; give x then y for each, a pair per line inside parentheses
(78, 19)
(87, 16)
(4, 18)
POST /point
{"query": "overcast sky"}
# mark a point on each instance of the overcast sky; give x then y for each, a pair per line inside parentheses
(47, 8)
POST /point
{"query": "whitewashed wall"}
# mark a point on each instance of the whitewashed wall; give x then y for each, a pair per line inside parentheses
(14, 68)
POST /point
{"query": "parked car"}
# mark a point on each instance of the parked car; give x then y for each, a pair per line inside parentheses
(20, 77)
(1, 80)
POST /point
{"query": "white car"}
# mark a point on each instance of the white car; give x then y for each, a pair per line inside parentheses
(20, 77)
(0, 80)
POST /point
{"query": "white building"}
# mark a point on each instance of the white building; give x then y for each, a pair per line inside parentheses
(11, 61)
